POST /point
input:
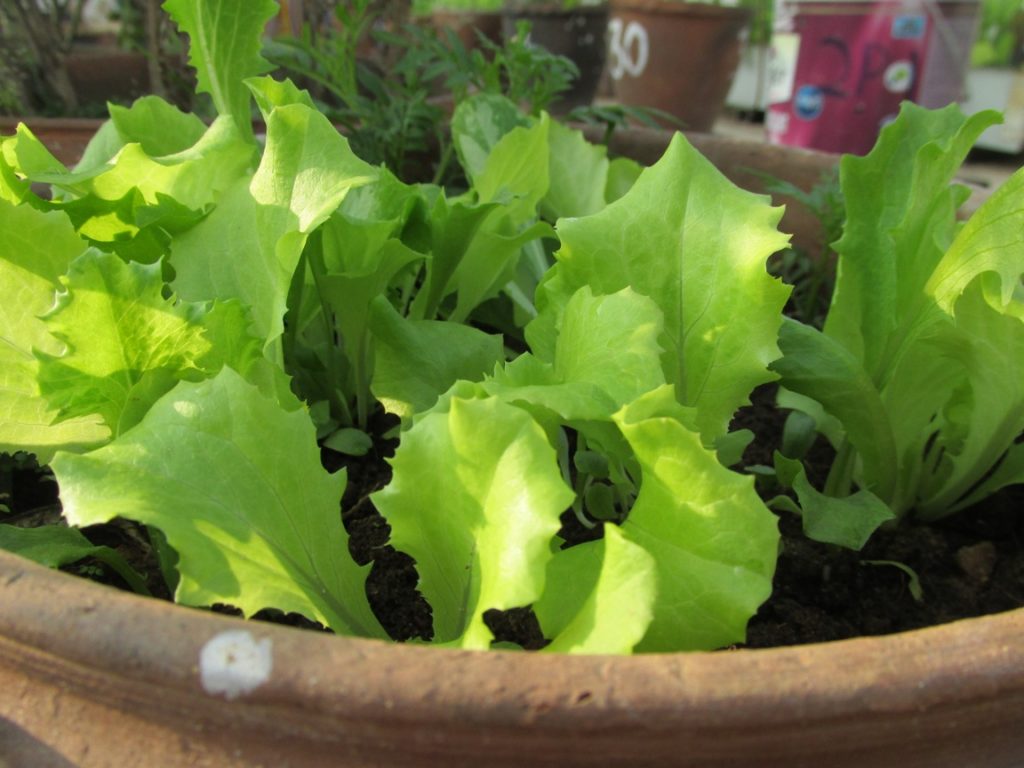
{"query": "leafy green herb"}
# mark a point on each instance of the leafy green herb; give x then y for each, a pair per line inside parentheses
(399, 119)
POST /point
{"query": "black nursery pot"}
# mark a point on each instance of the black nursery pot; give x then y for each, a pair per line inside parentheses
(577, 34)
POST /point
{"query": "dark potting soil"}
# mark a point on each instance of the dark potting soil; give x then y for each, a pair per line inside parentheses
(968, 565)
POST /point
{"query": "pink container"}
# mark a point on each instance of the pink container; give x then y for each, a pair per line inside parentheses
(839, 69)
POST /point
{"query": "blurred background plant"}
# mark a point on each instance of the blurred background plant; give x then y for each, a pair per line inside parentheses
(760, 30)
(392, 85)
(145, 28)
(36, 38)
(1000, 41)
(53, 63)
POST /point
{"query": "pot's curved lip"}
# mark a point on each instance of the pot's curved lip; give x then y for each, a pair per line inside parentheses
(49, 620)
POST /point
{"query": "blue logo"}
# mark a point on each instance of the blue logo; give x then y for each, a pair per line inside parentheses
(808, 102)
(908, 28)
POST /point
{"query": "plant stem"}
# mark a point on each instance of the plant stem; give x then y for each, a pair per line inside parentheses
(840, 476)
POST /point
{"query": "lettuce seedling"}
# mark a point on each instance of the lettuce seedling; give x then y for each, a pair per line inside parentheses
(918, 376)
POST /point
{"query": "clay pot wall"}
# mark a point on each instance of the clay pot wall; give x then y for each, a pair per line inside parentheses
(675, 56)
(93, 677)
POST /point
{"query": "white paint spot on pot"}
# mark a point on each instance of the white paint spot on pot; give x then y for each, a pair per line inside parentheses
(235, 663)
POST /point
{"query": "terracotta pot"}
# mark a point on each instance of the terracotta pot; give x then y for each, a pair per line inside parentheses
(95, 677)
(675, 56)
(92, 677)
(577, 34)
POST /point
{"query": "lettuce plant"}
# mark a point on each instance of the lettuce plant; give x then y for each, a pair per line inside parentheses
(196, 306)
(918, 376)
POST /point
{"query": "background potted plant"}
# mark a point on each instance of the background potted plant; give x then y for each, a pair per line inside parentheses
(678, 57)
(569, 28)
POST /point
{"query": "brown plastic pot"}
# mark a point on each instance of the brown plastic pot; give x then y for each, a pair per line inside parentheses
(678, 57)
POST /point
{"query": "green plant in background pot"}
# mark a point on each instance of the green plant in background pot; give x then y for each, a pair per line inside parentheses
(573, 29)
(395, 107)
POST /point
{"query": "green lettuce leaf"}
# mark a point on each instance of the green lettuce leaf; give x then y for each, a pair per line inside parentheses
(578, 175)
(194, 177)
(351, 260)
(900, 218)
(249, 247)
(817, 366)
(598, 596)
(270, 93)
(475, 500)
(158, 127)
(35, 251)
(983, 424)
(225, 38)
(516, 171)
(478, 124)
(454, 225)
(606, 355)
(235, 484)
(416, 361)
(713, 541)
(126, 345)
(28, 156)
(988, 243)
(919, 358)
(697, 245)
(847, 522)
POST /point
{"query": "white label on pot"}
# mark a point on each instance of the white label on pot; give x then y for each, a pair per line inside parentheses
(629, 48)
(234, 663)
(782, 59)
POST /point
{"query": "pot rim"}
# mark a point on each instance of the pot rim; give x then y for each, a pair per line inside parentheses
(50, 620)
